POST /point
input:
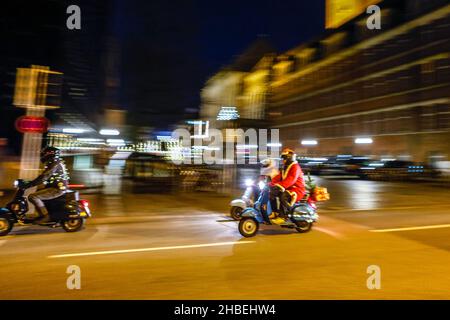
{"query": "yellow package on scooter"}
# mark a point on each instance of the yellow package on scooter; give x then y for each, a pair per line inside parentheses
(321, 194)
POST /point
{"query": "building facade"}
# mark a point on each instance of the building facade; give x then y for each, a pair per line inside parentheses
(340, 11)
(369, 92)
(240, 88)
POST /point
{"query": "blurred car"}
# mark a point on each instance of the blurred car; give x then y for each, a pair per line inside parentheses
(398, 170)
(312, 165)
(151, 173)
(344, 166)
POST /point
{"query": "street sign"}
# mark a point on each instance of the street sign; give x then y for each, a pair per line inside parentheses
(38, 87)
(32, 124)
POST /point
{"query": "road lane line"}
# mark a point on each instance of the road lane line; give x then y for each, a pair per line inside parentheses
(344, 210)
(329, 232)
(96, 253)
(437, 226)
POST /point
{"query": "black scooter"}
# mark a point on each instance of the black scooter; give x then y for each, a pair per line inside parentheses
(66, 211)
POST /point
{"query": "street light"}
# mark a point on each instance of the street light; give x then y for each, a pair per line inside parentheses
(363, 140)
(73, 130)
(246, 146)
(274, 145)
(116, 142)
(109, 132)
(92, 141)
(309, 142)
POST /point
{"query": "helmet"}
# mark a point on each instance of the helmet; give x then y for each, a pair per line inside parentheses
(267, 163)
(49, 153)
(288, 155)
(268, 167)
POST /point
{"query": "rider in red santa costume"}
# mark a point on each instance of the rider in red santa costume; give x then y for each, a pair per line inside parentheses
(288, 186)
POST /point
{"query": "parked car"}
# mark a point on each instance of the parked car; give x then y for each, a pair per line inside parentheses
(398, 170)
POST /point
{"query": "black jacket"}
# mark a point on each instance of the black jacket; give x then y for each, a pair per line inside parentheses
(54, 175)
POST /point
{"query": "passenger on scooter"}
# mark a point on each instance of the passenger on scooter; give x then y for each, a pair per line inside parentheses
(287, 187)
(269, 169)
(54, 178)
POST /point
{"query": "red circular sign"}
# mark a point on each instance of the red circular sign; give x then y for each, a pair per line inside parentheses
(30, 124)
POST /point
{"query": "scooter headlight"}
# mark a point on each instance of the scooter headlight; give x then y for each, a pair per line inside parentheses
(16, 183)
(249, 182)
(261, 185)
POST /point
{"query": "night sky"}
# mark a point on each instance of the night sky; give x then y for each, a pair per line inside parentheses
(167, 49)
(170, 48)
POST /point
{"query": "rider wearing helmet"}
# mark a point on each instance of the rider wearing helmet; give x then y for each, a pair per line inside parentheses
(54, 178)
(288, 186)
(269, 168)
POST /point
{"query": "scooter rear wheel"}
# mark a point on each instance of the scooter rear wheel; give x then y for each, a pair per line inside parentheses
(303, 226)
(73, 225)
(235, 213)
(248, 227)
(5, 225)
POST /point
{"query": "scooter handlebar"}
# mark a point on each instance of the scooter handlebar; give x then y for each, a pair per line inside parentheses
(21, 184)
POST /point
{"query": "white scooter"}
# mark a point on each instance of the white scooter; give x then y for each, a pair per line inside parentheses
(247, 200)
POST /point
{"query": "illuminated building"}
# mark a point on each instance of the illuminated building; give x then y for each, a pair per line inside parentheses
(373, 92)
(339, 12)
(240, 87)
(253, 99)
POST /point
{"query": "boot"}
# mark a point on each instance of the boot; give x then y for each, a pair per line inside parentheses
(278, 221)
(44, 216)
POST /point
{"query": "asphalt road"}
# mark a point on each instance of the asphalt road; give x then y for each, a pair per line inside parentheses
(401, 228)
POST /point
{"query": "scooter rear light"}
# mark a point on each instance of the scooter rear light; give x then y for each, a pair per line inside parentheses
(84, 203)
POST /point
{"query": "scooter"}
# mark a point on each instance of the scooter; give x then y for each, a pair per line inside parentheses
(247, 200)
(66, 211)
(301, 216)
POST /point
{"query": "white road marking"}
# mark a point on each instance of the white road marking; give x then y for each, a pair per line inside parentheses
(344, 210)
(329, 232)
(96, 253)
(437, 226)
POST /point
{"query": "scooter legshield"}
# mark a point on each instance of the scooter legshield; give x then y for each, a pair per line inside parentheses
(253, 213)
(238, 203)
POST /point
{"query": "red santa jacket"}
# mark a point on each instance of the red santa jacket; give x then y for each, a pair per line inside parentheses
(290, 179)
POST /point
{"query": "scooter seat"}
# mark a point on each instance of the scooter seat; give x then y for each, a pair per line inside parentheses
(69, 195)
(57, 207)
(72, 195)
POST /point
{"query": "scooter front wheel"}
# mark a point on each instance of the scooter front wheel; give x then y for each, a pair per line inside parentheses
(235, 213)
(73, 225)
(248, 227)
(5, 225)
